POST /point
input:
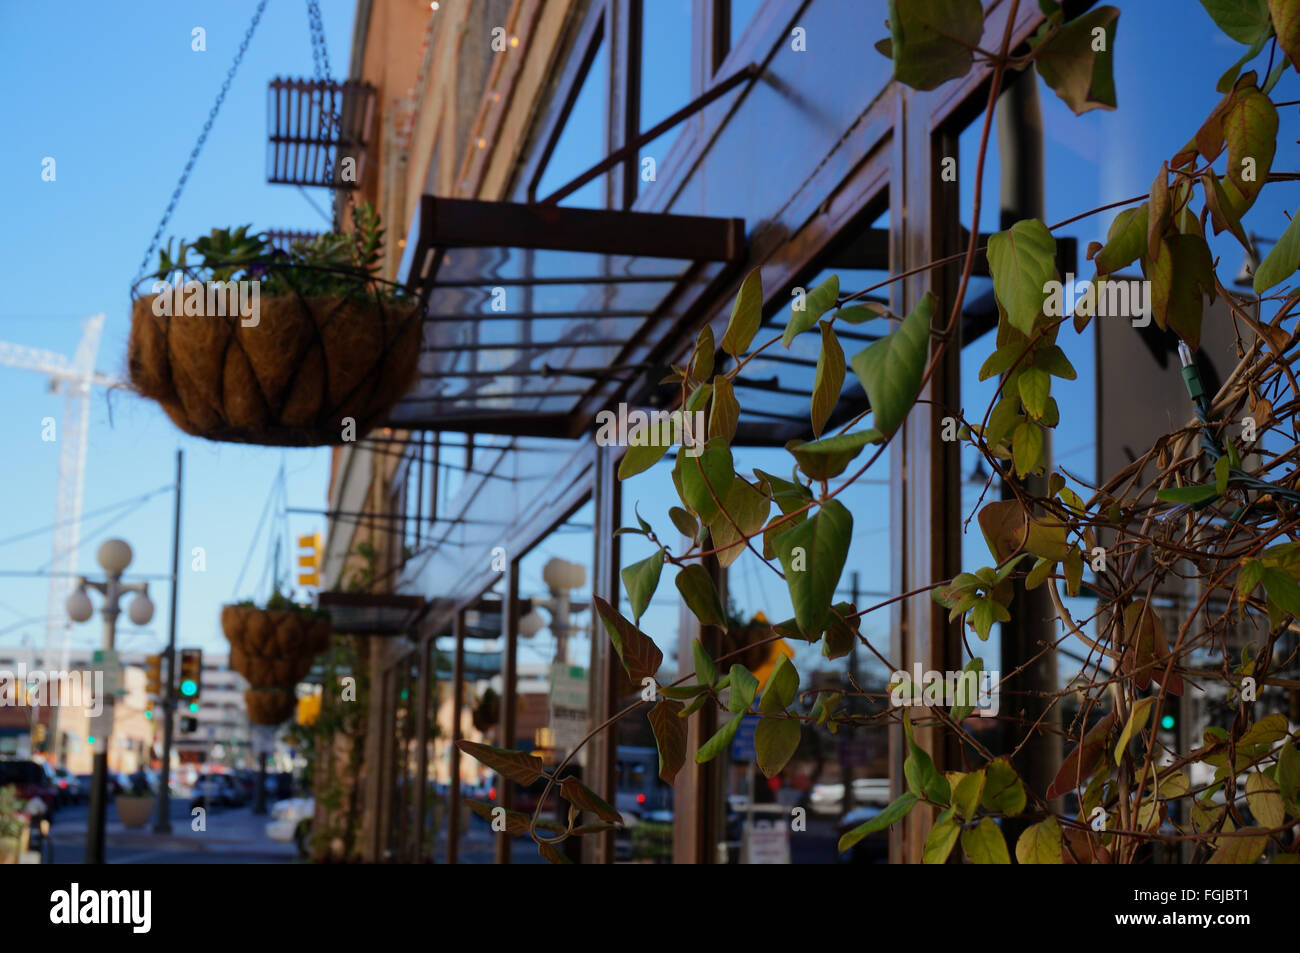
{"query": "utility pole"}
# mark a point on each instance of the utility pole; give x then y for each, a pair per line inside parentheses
(163, 824)
(1029, 693)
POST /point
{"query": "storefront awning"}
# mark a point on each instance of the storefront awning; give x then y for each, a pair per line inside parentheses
(364, 613)
(537, 316)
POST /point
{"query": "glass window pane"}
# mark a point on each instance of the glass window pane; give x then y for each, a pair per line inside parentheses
(584, 140)
(665, 77)
(742, 12)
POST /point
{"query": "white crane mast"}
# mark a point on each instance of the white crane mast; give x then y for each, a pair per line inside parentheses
(75, 378)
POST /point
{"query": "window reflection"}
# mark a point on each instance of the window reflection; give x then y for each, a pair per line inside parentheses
(665, 78)
(584, 139)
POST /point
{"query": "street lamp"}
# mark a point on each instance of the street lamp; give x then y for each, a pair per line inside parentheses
(114, 556)
(561, 578)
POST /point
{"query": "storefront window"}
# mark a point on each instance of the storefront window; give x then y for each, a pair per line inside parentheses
(403, 685)
(739, 16)
(582, 142)
(665, 78)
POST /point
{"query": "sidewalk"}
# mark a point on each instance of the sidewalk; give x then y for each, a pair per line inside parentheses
(228, 831)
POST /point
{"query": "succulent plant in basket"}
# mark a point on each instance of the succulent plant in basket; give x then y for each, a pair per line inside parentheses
(305, 346)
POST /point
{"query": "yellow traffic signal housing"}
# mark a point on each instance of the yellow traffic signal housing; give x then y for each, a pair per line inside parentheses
(153, 675)
(309, 709)
(310, 559)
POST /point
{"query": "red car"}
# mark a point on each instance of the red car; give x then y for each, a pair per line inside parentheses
(32, 781)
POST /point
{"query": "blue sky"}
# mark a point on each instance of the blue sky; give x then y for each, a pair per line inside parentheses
(115, 94)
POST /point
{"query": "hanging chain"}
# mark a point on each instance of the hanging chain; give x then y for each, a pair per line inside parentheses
(331, 123)
(319, 54)
(198, 146)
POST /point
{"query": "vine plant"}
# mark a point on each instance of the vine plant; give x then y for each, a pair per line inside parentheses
(1222, 508)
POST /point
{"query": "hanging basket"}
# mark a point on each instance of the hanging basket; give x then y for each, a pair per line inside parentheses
(487, 712)
(296, 371)
(749, 637)
(274, 634)
(269, 706)
(273, 649)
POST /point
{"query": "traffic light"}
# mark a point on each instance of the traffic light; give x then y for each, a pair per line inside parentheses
(191, 673)
(309, 560)
(1166, 721)
(153, 676)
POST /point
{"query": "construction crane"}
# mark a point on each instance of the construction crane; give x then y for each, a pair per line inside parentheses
(74, 378)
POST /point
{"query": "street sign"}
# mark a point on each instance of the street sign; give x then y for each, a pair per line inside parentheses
(264, 739)
(742, 745)
(101, 725)
(569, 686)
(768, 842)
(110, 663)
(569, 690)
(568, 727)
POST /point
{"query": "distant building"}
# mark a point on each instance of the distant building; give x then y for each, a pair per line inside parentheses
(137, 727)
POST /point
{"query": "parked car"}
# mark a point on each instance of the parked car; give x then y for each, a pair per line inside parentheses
(640, 792)
(33, 783)
(246, 783)
(112, 781)
(872, 849)
(279, 785)
(291, 821)
(70, 787)
(215, 790)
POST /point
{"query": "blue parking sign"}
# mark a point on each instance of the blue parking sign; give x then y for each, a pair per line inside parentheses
(742, 745)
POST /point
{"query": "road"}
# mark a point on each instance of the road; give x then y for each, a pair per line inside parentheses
(231, 836)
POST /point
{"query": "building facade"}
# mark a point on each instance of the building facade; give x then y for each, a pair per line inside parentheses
(222, 732)
(741, 134)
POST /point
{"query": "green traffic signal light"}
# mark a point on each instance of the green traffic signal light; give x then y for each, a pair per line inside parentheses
(189, 687)
(1167, 722)
(148, 713)
(90, 739)
(194, 706)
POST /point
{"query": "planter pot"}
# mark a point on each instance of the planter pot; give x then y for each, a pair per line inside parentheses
(291, 379)
(11, 848)
(134, 811)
